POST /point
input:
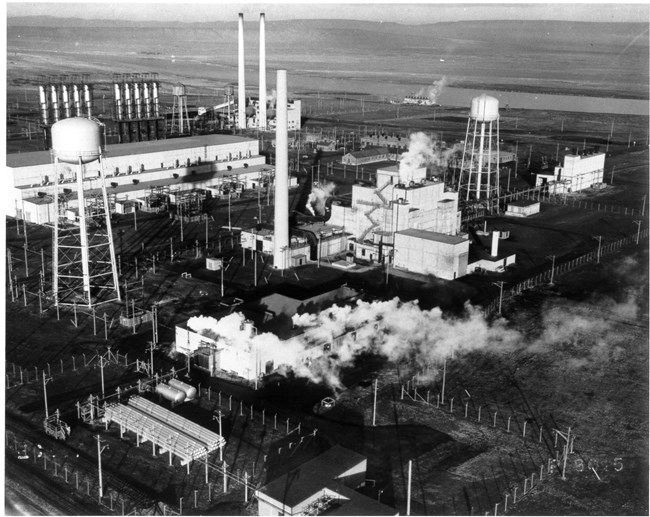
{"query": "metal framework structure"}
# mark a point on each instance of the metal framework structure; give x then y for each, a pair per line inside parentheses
(170, 432)
(84, 266)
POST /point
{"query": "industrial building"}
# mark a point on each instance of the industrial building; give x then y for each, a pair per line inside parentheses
(580, 170)
(523, 208)
(376, 213)
(133, 169)
(325, 485)
(232, 347)
(378, 154)
(431, 253)
(496, 260)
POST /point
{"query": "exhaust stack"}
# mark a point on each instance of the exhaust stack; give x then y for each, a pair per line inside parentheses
(495, 244)
(241, 84)
(281, 249)
(261, 122)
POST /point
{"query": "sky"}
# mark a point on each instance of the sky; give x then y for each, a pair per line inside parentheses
(406, 13)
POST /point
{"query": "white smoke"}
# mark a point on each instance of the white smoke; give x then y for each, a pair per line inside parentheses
(318, 197)
(433, 91)
(394, 329)
(421, 152)
(271, 98)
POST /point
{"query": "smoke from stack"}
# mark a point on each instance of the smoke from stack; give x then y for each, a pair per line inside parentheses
(318, 197)
(420, 153)
(433, 91)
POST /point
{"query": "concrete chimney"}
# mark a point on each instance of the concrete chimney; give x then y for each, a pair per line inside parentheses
(261, 118)
(241, 119)
(281, 250)
(495, 244)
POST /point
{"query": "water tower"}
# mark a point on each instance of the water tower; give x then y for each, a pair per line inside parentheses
(479, 178)
(84, 269)
(179, 110)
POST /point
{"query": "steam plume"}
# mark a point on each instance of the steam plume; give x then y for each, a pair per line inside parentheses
(419, 154)
(319, 195)
(433, 91)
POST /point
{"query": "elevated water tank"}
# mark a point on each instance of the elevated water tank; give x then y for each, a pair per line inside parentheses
(75, 138)
(484, 108)
(172, 394)
(189, 390)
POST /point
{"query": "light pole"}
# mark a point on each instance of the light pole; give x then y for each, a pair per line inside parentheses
(552, 257)
(500, 286)
(320, 236)
(229, 221)
(600, 238)
(100, 449)
(638, 231)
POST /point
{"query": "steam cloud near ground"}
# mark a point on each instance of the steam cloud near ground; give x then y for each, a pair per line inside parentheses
(318, 197)
(402, 331)
(423, 152)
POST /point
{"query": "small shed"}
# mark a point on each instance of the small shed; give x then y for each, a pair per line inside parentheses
(523, 208)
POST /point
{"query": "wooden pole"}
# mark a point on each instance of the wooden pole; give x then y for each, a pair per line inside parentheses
(408, 490)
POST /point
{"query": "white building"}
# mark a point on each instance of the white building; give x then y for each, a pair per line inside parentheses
(376, 213)
(431, 253)
(523, 208)
(262, 241)
(370, 155)
(131, 169)
(578, 172)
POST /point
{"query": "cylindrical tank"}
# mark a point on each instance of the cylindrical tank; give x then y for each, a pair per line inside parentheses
(119, 114)
(88, 99)
(65, 99)
(172, 394)
(127, 100)
(76, 100)
(147, 99)
(189, 390)
(54, 101)
(230, 90)
(154, 95)
(45, 116)
(484, 108)
(178, 89)
(136, 98)
(75, 138)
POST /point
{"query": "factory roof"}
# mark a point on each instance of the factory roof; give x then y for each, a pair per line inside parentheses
(311, 477)
(433, 236)
(38, 200)
(153, 146)
(369, 152)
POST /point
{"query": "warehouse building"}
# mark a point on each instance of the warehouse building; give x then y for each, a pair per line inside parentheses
(523, 208)
(377, 154)
(580, 170)
(325, 485)
(132, 169)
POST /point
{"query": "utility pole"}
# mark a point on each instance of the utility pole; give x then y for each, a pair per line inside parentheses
(500, 286)
(638, 231)
(611, 181)
(45, 381)
(600, 238)
(100, 449)
(552, 257)
(374, 406)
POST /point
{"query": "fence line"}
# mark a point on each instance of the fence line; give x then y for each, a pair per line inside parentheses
(561, 268)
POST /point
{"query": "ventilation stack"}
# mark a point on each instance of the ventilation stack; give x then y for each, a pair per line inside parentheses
(261, 113)
(241, 90)
(281, 250)
(84, 268)
(480, 164)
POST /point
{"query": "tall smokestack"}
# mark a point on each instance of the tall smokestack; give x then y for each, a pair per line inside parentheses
(281, 231)
(242, 85)
(261, 122)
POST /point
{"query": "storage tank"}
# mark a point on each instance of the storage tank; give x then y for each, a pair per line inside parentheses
(154, 98)
(118, 102)
(484, 108)
(146, 99)
(54, 102)
(65, 99)
(45, 116)
(174, 395)
(88, 98)
(76, 97)
(189, 390)
(77, 137)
